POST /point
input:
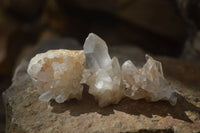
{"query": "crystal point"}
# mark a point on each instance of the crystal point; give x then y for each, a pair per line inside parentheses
(102, 74)
(93, 47)
(147, 82)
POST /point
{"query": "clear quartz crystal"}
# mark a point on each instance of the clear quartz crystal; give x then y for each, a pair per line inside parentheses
(102, 74)
(57, 74)
(147, 82)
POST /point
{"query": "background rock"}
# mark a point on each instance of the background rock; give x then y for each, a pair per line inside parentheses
(25, 113)
(190, 11)
(154, 26)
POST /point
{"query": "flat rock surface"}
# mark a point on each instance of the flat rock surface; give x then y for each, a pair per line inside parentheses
(25, 113)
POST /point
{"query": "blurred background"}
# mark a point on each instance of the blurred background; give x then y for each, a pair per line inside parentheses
(158, 27)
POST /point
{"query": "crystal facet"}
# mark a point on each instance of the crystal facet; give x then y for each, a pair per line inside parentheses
(57, 74)
(147, 82)
(102, 74)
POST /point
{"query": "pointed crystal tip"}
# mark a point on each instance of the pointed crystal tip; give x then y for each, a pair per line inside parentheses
(102, 74)
(147, 82)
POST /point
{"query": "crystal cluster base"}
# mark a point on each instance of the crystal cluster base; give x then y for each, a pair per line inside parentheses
(57, 74)
(102, 74)
(147, 82)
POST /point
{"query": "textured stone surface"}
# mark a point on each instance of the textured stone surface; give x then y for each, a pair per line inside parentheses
(25, 113)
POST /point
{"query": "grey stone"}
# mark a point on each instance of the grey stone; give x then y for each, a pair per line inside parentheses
(25, 113)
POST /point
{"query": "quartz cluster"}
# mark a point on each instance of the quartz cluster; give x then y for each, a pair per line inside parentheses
(102, 74)
(147, 82)
(58, 74)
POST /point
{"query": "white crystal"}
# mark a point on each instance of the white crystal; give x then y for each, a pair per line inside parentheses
(147, 82)
(102, 74)
(57, 74)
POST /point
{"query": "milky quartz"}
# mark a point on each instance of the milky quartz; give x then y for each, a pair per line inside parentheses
(147, 82)
(102, 74)
(57, 74)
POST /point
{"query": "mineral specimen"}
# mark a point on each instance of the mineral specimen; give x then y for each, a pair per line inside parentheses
(147, 82)
(102, 74)
(57, 73)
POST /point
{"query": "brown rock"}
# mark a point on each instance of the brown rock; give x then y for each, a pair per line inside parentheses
(25, 113)
(151, 25)
(154, 15)
(23, 9)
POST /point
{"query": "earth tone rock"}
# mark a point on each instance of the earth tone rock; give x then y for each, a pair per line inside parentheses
(22, 9)
(153, 15)
(25, 113)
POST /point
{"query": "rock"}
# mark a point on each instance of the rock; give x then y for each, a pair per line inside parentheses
(23, 10)
(152, 15)
(144, 23)
(127, 52)
(7, 26)
(25, 113)
(190, 12)
(191, 50)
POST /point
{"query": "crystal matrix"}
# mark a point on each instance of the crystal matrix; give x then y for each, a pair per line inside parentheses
(102, 74)
(57, 74)
(147, 82)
